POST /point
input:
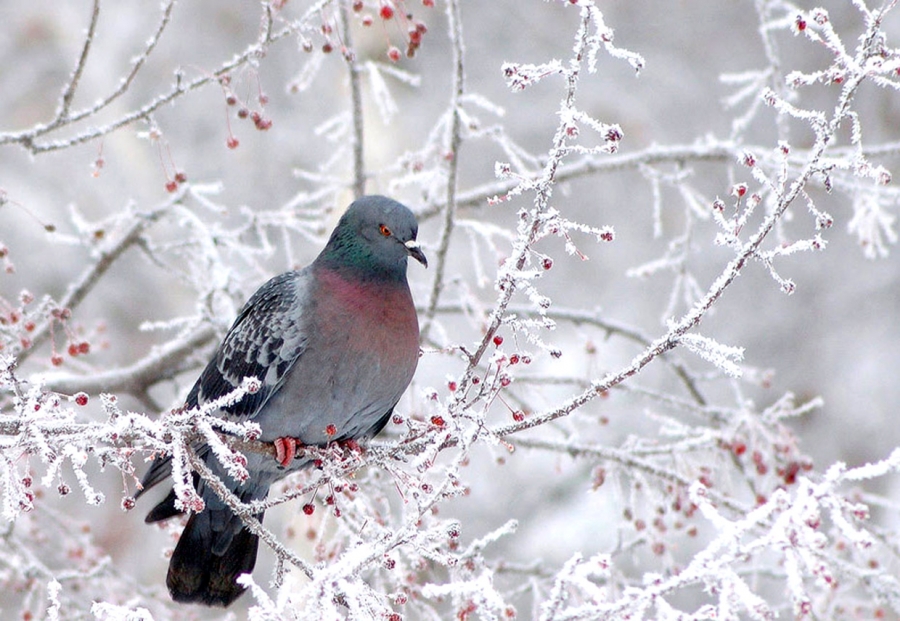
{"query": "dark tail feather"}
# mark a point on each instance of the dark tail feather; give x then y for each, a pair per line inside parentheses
(201, 575)
(164, 510)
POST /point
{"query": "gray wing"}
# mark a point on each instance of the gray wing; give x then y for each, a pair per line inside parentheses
(267, 338)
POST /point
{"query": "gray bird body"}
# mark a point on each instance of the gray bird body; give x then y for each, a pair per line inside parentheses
(334, 346)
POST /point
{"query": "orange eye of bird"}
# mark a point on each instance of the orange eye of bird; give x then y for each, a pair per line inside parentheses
(384, 230)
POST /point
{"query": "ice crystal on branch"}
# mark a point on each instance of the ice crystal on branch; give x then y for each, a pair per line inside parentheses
(549, 397)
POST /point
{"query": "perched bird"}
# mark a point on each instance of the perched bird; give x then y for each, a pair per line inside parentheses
(334, 346)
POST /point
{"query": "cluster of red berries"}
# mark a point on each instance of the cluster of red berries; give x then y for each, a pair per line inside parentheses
(262, 123)
(387, 11)
(74, 349)
(172, 184)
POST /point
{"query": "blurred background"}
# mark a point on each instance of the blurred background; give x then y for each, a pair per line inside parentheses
(836, 336)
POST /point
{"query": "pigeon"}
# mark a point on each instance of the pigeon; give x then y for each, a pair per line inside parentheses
(333, 346)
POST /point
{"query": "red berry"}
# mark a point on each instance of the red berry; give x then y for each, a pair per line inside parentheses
(739, 448)
(386, 12)
(171, 186)
(514, 359)
(428, 3)
(330, 430)
(437, 421)
(393, 53)
(547, 263)
(232, 142)
(231, 100)
(498, 340)
(327, 48)
(84, 347)
(56, 360)
(451, 385)
(81, 398)
(357, 5)
(518, 416)
(127, 503)
(180, 177)
(73, 349)
(308, 508)
(367, 20)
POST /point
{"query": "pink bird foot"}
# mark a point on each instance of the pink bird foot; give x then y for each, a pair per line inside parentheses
(285, 449)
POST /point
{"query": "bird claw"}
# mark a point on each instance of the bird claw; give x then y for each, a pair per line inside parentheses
(350, 444)
(285, 449)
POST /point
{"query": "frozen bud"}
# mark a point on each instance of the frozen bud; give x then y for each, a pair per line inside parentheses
(739, 189)
(613, 134)
(820, 16)
(128, 503)
(884, 177)
(598, 477)
(748, 159)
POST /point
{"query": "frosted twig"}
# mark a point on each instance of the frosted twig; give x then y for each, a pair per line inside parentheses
(353, 68)
(247, 517)
(68, 94)
(106, 257)
(455, 140)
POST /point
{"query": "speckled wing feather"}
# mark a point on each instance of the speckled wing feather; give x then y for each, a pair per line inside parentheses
(267, 338)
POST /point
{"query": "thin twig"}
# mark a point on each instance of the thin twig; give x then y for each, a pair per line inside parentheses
(454, 25)
(356, 107)
(65, 102)
(247, 517)
(135, 379)
(107, 256)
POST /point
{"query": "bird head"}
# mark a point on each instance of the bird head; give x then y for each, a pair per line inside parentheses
(374, 237)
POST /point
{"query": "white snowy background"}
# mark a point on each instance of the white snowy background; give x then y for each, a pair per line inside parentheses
(816, 336)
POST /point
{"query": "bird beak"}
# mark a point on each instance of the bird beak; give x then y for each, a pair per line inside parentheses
(415, 251)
